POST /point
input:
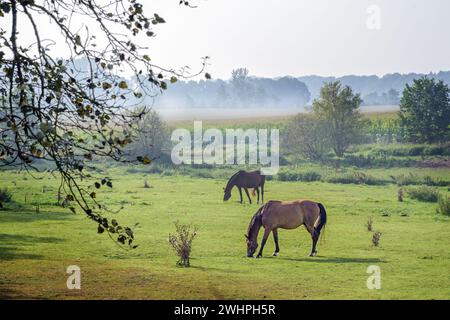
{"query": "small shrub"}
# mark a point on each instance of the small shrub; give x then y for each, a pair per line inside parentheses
(400, 195)
(386, 213)
(444, 205)
(182, 242)
(5, 195)
(369, 224)
(423, 193)
(311, 176)
(376, 238)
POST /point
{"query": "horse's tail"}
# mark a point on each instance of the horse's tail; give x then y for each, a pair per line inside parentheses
(322, 219)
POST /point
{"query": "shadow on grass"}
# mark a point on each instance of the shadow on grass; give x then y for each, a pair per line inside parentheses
(320, 259)
(19, 213)
(11, 246)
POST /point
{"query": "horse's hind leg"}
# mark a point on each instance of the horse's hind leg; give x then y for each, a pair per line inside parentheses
(314, 237)
(248, 195)
(275, 238)
(257, 191)
(263, 242)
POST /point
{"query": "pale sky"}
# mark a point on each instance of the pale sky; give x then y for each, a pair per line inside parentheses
(299, 37)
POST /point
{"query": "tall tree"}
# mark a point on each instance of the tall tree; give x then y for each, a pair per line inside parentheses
(338, 106)
(307, 136)
(243, 88)
(66, 113)
(425, 110)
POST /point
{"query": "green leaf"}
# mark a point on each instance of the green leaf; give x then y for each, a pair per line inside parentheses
(146, 160)
(106, 85)
(123, 85)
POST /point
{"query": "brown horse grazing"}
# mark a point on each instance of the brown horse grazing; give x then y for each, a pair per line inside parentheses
(285, 215)
(244, 179)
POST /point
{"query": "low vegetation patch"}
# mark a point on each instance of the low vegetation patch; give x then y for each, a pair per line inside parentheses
(444, 205)
(423, 193)
(414, 179)
(5, 195)
(307, 176)
(355, 177)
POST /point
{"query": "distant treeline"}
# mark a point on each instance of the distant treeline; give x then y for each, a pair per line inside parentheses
(243, 90)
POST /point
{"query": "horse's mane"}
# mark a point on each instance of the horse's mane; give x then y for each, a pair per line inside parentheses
(256, 218)
(256, 222)
(232, 178)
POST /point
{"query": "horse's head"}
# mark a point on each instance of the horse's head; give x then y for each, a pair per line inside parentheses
(252, 245)
(226, 194)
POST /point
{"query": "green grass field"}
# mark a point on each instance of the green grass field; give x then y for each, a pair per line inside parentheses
(37, 247)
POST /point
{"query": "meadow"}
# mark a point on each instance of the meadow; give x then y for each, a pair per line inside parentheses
(40, 238)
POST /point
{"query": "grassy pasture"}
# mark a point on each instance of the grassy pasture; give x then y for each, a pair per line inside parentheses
(37, 247)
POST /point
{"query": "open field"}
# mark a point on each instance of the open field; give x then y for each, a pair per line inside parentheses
(37, 247)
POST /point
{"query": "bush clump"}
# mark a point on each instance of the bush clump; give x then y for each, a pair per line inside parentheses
(5, 195)
(414, 179)
(308, 176)
(181, 242)
(444, 205)
(355, 177)
(423, 193)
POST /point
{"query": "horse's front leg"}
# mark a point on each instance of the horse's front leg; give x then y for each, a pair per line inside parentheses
(248, 195)
(257, 191)
(263, 242)
(262, 194)
(240, 193)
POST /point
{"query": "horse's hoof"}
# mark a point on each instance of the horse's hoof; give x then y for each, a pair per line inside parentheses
(275, 254)
(258, 256)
